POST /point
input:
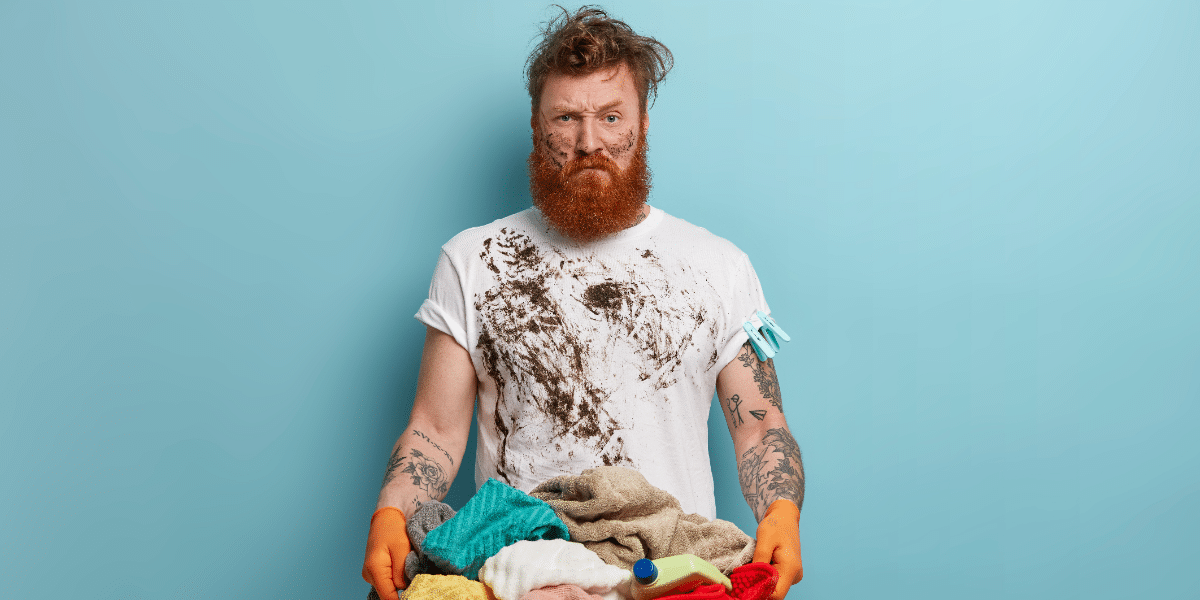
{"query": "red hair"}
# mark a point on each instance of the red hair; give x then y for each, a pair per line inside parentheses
(588, 41)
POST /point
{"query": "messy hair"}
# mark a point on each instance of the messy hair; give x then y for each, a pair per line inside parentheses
(589, 41)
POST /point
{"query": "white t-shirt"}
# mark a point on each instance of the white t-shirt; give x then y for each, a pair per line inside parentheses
(594, 354)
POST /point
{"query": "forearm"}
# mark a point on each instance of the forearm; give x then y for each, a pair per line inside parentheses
(420, 469)
(770, 468)
(768, 457)
(426, 457)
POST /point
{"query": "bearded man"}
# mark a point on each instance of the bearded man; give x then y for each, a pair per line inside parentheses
(592, 328)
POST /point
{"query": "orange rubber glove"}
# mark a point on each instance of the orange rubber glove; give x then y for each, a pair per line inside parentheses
(778, 543)
(387, 546)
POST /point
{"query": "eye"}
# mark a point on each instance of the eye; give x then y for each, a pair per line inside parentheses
(564, 118)
(611, 119)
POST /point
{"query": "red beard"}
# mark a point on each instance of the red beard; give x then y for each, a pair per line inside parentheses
(585, 207)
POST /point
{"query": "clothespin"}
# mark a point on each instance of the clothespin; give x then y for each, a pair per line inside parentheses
(761, 347)
(765, 339)
(773, 332)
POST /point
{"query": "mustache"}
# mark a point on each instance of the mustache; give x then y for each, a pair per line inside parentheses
(591, 161)
(586, 209)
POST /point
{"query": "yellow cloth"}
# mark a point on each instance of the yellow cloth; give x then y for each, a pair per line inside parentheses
(446, 587)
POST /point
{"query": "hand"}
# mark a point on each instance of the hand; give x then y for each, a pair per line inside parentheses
(387, 547)
(778, 543)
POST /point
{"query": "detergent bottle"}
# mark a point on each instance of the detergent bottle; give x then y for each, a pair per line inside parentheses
(674, 575)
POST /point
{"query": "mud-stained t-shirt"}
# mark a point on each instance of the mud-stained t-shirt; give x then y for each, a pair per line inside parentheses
(594, 354)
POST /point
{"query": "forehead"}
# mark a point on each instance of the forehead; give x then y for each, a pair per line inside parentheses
(593, 90)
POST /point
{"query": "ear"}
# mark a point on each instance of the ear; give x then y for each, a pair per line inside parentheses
(645, 122)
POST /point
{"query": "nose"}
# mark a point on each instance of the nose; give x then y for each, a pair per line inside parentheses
(588, 142)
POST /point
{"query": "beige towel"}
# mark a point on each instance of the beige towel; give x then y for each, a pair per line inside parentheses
(617, 514)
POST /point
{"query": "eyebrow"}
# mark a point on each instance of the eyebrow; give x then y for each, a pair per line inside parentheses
(566, 109)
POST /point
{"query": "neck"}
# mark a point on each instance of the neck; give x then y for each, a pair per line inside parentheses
(642, 214)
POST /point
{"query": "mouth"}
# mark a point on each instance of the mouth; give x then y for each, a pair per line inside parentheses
(592, 174)
(592, 168)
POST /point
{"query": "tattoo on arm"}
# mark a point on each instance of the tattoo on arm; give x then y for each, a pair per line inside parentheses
(772, 470)
(393, 463)
(434, 444)
(427, 475)
(735, 412)
(764, 375)
(758, 414)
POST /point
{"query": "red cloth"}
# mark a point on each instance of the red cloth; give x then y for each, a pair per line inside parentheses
(712, 591)
(755, 581)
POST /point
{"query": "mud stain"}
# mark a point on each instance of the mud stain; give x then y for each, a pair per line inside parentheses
(559, 335)
(607, 298)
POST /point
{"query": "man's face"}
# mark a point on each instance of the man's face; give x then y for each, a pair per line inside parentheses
(591, 114)
(587, 171)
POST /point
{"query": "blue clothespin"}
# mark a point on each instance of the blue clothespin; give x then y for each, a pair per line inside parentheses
(761, 347)
(766, 340)
(772, 331)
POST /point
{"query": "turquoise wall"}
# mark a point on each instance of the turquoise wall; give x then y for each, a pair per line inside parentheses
(979, 221)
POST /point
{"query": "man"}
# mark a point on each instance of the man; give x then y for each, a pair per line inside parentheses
(593, 328)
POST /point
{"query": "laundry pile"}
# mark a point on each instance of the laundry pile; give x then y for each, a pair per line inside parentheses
(571, 538)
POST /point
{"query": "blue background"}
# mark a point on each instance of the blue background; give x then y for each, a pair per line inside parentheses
(979, 221)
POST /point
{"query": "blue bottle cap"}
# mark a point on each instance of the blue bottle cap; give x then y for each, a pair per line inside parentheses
(644, 571)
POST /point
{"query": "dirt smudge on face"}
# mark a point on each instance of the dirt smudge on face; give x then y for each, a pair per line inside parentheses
(625, 145)
(558, 148)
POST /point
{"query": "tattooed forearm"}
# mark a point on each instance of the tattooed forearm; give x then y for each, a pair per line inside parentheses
(787, 478)
(764, 375)
(771, 471)
(735, 412)
(750, 476)
(427, 475)
(393, 464)
(434, 444)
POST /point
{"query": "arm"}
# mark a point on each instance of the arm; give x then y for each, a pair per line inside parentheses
(769, 464)
(424, 459)
(427, 455)
(770, 469)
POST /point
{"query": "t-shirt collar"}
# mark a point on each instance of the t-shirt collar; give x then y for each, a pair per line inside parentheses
(641, 229)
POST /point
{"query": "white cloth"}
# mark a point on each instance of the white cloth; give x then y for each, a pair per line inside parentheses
(595, 354)
(529, 565)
